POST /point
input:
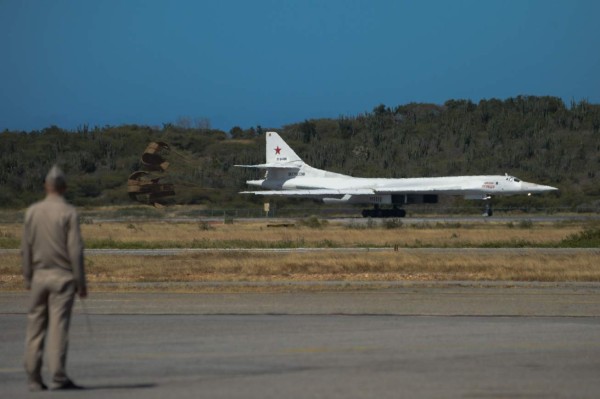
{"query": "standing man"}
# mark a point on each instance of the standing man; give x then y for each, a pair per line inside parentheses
(52, 251)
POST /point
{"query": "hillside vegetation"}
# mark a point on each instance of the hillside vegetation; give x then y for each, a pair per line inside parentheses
(538, 139)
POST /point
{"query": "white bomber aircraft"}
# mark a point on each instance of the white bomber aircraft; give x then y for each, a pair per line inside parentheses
(288, 176)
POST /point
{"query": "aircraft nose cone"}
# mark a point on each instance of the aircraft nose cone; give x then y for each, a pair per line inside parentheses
(538, 188)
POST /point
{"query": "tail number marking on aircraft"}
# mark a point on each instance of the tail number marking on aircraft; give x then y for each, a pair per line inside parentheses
(488, 185)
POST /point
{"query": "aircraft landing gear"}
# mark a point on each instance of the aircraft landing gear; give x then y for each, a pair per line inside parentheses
(487, 212)
(377, 212)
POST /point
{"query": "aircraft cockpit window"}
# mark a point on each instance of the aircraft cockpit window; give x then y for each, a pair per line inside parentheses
(517, 180)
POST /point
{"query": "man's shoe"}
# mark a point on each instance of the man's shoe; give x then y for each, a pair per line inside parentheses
(67, 385)
(37, 386)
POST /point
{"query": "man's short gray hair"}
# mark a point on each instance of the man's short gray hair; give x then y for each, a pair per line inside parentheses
(56, 178)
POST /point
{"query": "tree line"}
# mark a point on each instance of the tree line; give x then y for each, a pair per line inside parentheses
(538, 139)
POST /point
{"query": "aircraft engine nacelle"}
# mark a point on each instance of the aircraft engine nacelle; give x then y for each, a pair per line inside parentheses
(386, 199)
(415, 199)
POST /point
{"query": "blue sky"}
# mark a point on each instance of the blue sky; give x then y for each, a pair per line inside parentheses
(270, 63)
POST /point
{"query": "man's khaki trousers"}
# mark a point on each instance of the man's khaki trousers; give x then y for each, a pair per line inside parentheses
(52, 297)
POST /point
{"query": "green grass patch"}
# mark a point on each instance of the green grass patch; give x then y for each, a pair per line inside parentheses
(209, 244)
(588, 238)
(9, 242)
(138, 212)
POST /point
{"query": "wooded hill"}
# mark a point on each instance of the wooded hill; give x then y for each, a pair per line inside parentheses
(538, 139)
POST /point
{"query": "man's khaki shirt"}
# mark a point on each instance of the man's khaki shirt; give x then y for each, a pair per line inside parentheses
(52, 240)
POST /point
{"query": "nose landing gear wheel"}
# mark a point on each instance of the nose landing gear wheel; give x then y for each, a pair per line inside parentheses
(487, 212)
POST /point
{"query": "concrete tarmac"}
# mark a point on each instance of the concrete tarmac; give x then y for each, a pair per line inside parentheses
(448, 340)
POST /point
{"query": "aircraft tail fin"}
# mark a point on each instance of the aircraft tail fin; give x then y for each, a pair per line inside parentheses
(283, 164)
(278, 151)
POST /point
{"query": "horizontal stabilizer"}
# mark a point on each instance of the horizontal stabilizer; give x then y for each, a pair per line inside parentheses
(288, 165)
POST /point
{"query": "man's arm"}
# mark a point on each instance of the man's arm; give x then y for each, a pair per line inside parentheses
(75, 247)
(26, 257)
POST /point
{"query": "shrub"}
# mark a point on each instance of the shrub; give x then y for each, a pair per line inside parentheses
(205, 226)
(313, 222)
(391, 223)
(588, 238)
(525, 224)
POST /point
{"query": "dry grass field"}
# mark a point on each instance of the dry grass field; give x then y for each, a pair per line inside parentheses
(258, 235)
(401, 265)
(213, 266)
(332, 236)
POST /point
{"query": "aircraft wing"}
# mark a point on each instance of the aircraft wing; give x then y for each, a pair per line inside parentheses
(312, 193)
(437, 189)
(324, 193)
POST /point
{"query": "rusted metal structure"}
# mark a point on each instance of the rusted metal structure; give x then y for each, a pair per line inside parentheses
(146, 185)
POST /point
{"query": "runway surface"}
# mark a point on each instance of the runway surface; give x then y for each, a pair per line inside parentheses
(456, 340)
